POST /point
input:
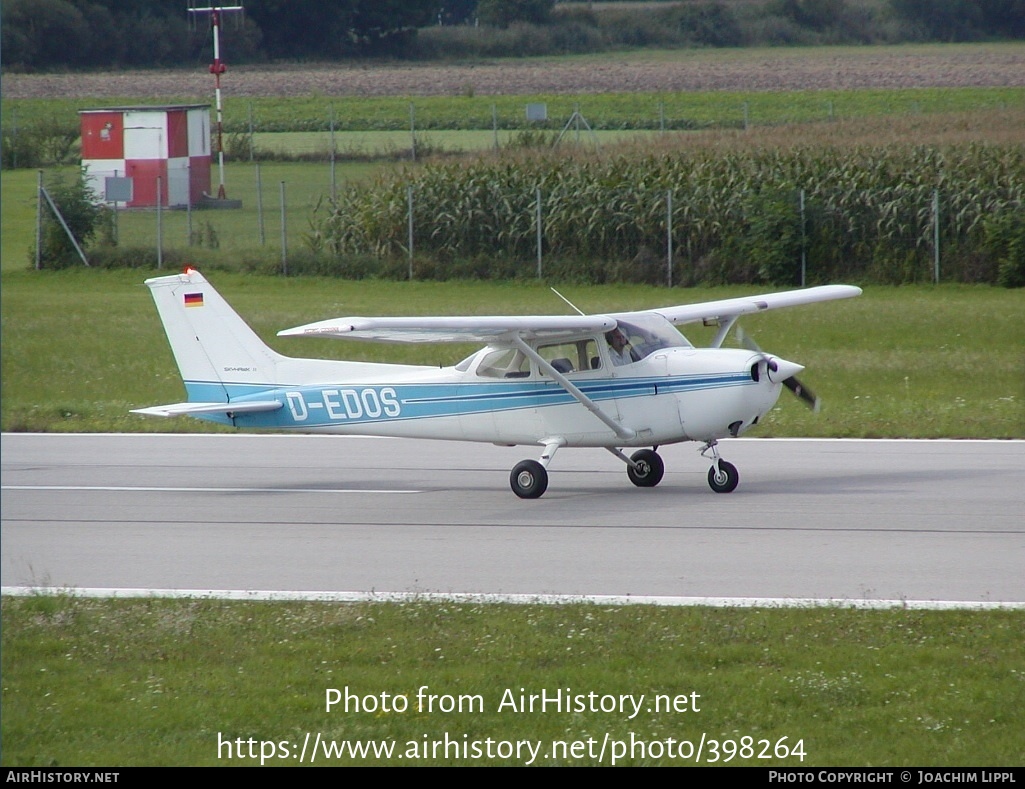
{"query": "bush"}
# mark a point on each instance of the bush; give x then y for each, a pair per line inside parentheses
(45, 142)
(1005, 242)
(83, 217)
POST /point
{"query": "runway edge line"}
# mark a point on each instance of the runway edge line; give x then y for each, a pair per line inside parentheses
(513, 599)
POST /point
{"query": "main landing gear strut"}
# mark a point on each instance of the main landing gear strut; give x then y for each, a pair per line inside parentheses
(645, 468)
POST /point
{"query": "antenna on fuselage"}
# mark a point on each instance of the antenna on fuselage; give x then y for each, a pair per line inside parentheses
(570, 303)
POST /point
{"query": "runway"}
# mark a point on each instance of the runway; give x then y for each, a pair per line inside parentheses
(839, 520)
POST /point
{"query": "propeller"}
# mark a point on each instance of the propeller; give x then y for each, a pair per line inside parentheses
(778, 367)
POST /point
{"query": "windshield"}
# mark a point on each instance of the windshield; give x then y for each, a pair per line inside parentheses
(649, 333)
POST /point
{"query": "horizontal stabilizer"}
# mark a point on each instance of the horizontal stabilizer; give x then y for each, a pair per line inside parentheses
(192, 409)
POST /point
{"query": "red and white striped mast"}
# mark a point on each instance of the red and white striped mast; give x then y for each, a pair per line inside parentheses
(217, 68)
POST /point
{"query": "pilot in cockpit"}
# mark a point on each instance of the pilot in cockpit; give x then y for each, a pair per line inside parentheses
(619, 348)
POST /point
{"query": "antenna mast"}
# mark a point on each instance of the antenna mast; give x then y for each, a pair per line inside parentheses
(217, 68)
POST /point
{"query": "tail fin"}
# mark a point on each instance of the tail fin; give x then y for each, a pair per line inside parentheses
(218, 355)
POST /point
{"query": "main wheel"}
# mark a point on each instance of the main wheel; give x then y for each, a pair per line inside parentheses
(649, 469)
(529, 479)
(723, 477)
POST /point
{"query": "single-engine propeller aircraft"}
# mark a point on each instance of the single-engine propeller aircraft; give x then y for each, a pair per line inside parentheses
(613, 381)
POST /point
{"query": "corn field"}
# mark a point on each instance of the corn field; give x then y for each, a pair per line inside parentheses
(875, 214)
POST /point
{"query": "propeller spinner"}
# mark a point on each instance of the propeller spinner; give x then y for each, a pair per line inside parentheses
(782, 371)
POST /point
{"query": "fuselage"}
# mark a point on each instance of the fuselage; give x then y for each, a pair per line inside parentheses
(672, 394)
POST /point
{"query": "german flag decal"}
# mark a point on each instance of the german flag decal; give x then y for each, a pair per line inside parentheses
(193, 299)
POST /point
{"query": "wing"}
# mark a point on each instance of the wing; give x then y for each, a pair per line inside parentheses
(730, 309)
(502, 328)
(486, 328)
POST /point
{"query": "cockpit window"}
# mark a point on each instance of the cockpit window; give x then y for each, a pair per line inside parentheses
(649, 333)
(571, 357)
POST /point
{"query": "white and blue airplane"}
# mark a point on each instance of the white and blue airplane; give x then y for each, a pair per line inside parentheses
(615, 381)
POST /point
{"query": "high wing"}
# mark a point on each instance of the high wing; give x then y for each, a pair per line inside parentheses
(502, 328)
(731, 309)
(485, 328)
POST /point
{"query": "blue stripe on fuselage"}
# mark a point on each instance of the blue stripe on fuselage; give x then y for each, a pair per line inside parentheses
(328, 404)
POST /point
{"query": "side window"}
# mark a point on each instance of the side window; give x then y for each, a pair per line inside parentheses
(572, 357)
(508, 363)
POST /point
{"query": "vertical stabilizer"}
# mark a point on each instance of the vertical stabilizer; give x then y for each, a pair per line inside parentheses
(217, 353)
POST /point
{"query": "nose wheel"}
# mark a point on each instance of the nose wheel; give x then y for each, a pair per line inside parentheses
(723, 477)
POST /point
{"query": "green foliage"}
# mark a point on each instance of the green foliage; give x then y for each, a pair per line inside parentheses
(961, 20)
(83, 216)
(772, 237)
(47, 34)
(157, 682)
(1005, 242)
(709, 24)
(869, 210)
(502, 13)
(41, 141)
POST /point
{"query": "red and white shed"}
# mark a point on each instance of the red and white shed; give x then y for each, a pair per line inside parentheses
(171, 142)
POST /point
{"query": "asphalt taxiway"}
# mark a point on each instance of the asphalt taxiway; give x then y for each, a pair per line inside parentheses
(811, 519)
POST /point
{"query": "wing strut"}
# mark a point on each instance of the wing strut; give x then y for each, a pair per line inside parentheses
(624, 433)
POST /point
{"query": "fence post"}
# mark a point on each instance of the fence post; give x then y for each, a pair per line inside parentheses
(804, 246)
(334, 182)
(259, 206)
(412, 131)
(936, 236)
(494, 123)
(284, 234)
(669, 238)
(160, 227)
(39, 221)
(117, 229)
(409, 212)
(252, 137)
(188, 204)
(537, 221)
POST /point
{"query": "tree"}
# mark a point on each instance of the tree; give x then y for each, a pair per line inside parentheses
(44, 31)
(502, 13)
(315, 29)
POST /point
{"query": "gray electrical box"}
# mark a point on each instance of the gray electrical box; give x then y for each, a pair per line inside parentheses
(537, 112)
(117, 190)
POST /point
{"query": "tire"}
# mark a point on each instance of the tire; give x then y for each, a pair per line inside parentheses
(723, 478)
(650, 468)
(529, 479)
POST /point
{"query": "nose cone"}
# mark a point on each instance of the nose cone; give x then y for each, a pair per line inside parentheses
(781, 369)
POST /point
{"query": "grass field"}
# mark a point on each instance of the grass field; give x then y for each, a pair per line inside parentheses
(897, 362)
(607, 111)
(772, 688)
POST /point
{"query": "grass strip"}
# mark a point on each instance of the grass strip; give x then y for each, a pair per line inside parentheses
(163, 682)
